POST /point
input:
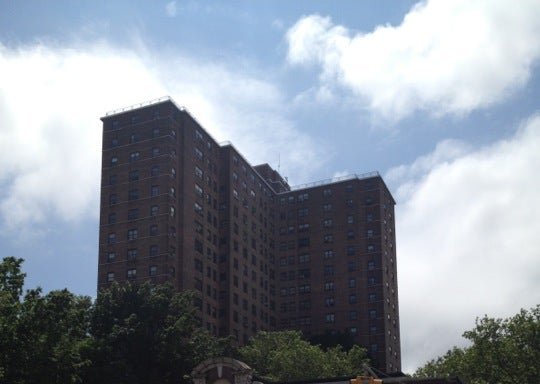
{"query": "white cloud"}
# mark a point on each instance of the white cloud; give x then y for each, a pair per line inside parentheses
(467, 239)
(446, 57)
(170, 9)
(50, 134)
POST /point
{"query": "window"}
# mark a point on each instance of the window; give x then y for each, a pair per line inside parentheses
(328, 270)
(353, 315)
(369, 233)
(352, 299)
(198, 209)
(303, 273)
(111, 256)
(303, 242)
(114, 142)
(350, 219)
(329, 301)
(153, 250)
(352, 283)
(133, 214)
(303, 197)
(131, 273)
(154, 210)
(155, 151)
(132, 234)
(152, 270)
(304, 258)
(111, 239)
(153, 230)
(114, 160)
(327, 223)
(369, 217)
(371, 248)
(155, 131)
(350, 234)
(350, 250)
(134, 175)
(133, 138)
(112, 218)
(372, 314)
(133, 194)
(198, 172)
(113, 199)
(327, 192)
(198, 153)
(173, 173)
(327, 207)
(329, 286)
(371, 265)
(154, 191)
(134, 156)
(372, 297)
(306, 288)
(198, 190)
(132, 254)
(330, 318)
(303, 212)
(328, 254)
(303, 227)
(110, 277)
(113, 179)
(171, 211)
(154, 171)
(351, 266)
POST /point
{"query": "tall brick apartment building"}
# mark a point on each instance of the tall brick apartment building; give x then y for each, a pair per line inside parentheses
(178, 207)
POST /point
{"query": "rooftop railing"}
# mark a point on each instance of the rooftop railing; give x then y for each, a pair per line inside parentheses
(353, 176)
(140, 105)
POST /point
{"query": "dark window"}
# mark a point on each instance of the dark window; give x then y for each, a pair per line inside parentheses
(114, 160)
(134, 156)
(131, 273)
(154, 191)
(134, 175)
(112, 218)
(154, 171)
(152, 270)
(155, 152)
(153, 250)
(153, 230)
(133, 194)
(132, 254)
(113, 179)
(133, 214)
(154, 210)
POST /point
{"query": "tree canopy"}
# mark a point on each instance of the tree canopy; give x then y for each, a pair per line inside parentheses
(502, 351)
(285, 356)
(130, 333)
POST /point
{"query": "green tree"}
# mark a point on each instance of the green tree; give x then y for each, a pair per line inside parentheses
(40, 335)
(145, 334)
(285, 356)
(502, 351)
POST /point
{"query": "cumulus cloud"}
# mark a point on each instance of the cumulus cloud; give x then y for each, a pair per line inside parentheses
(467, 239)
(170, 9)
(446, 57)
(50, 134)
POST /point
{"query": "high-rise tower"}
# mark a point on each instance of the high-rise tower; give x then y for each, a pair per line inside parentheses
(178, 207)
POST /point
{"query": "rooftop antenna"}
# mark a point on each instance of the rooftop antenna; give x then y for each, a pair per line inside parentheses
(279, 162)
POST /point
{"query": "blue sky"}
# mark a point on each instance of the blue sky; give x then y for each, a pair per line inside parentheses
(440, 97)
